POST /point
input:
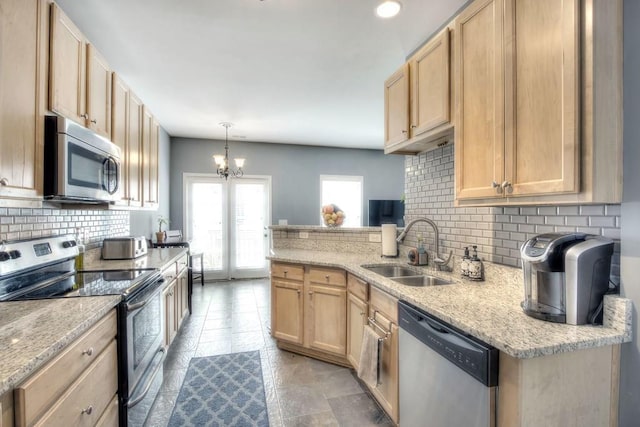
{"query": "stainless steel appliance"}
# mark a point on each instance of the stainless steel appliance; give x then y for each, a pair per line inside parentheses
(44, 268)
(447, 378)
(566, 276)
(124, 247)
(79, 165)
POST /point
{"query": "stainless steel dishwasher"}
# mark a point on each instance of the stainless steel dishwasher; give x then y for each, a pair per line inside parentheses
(447, 378)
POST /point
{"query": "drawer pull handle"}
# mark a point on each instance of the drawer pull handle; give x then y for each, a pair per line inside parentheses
(88, 410)
(88, 351)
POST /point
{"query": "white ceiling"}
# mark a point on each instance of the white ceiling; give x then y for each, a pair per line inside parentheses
(305, 72)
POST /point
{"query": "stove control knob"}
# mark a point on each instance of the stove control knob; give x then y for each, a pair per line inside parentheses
(15, 254)
(69, 244)
(4, 256)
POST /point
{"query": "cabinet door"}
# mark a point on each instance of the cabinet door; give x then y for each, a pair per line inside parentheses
(429, 71)
(356, 321)
(120, 131)
(149, 160)
(386, 391)
(134, 151)
(21, 122)
(286, 311)
(396, 107)
(182, 302)
(67, 83)
(542, 105)
(326, 319)
(479, 147)
(170, 316)
(98, 93)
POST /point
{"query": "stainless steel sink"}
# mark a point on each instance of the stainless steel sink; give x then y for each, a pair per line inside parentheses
(421, 281)
(392, 270)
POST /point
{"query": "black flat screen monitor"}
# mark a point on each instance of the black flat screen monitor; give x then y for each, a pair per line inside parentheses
(386, 212)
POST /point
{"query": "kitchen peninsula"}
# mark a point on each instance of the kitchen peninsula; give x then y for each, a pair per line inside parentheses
(533, 353)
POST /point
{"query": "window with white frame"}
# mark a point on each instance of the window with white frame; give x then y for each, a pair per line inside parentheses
(344, 191)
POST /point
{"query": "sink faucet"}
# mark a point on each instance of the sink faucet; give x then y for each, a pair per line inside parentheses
(441, 263)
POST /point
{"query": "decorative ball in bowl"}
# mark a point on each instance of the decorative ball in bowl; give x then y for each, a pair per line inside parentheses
(332, 215)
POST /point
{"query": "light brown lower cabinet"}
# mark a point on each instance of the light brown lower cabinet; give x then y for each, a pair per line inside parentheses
(357, 312)
(309, 310)
(176, 298)
(77, 387)
(322, 312)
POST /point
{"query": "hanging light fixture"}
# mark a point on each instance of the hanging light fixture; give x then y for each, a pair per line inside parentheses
(223, 161)
(388, 8)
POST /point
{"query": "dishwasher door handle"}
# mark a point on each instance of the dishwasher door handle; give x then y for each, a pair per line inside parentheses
(445, 335)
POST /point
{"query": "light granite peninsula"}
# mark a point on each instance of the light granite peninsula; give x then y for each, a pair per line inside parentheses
(578, 366)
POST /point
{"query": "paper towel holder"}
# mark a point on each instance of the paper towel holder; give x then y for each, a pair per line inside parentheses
(389, 242)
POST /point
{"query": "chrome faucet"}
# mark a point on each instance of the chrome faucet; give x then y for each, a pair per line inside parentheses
(441, 263)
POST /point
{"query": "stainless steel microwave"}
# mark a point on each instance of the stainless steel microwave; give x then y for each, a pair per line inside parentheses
(79, 165)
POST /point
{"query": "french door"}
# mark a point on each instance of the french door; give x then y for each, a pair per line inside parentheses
(228, 222)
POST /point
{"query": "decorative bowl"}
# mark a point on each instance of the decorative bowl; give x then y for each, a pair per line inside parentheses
(332, 215)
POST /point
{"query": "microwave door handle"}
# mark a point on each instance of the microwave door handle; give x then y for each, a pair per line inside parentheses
(109, 166)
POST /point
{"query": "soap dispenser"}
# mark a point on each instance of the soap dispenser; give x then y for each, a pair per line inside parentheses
(464, 265)
(475, 266)
(423, 257)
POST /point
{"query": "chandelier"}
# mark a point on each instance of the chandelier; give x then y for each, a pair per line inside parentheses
(222, 162)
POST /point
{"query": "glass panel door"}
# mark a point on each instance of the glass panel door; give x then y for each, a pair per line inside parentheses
(228, 222)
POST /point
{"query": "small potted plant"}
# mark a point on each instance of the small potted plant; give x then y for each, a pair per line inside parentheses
(160, 235)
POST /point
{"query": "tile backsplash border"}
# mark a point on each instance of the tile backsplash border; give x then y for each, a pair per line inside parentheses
(498, 232)
(29, 223)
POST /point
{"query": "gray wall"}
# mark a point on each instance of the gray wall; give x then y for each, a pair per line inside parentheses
(295, 172)
(143, 223)
(630, 230)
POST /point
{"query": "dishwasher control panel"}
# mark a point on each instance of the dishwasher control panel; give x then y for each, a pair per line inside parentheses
(475, 357)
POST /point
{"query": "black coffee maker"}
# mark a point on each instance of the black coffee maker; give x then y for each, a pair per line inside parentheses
(565, 276)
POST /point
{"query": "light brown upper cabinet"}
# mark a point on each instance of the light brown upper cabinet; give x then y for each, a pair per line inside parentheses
(80, 78)
(22, 83)
(396, 108)
(417, 108)
(150, 134)
(126, 119)
(526, 127)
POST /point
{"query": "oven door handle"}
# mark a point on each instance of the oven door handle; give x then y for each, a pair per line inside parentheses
(133, 402)
(139, 305)
(38, 286)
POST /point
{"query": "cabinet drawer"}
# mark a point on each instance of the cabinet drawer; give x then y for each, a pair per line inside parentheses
(358, 287)
(39, 392)
(170, 272)
(384, 303)
(182, 263)
(110, 416)
(86, 400)
(287, 271)
(327, 276)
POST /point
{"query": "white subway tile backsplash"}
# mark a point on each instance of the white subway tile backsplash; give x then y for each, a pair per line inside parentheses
(502, 229)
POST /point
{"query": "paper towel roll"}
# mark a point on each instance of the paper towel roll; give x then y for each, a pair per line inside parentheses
(389, 244)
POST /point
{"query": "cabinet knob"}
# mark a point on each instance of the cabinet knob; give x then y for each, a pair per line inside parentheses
(506, 185)
(404, 131)
(285, 273)
(84, 116)
(310, 293)
(327, 277)
(88, 410)
(88, 352)
(497, 186)
(299, 292)
(4, 181)
(94, 121)
(413, 126)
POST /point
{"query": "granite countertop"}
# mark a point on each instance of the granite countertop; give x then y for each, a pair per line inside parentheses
(488, 310)
(33, 332)
(155, 258)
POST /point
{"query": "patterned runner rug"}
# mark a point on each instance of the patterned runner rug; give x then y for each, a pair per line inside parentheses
(224, 390)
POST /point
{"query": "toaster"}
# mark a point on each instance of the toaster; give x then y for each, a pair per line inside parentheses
(124, 247)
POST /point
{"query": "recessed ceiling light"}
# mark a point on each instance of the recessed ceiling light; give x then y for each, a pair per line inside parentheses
(388, 8)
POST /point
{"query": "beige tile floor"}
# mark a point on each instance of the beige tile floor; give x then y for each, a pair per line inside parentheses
(233, 317)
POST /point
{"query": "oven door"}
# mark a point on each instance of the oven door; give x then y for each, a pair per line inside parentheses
(144, 332)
